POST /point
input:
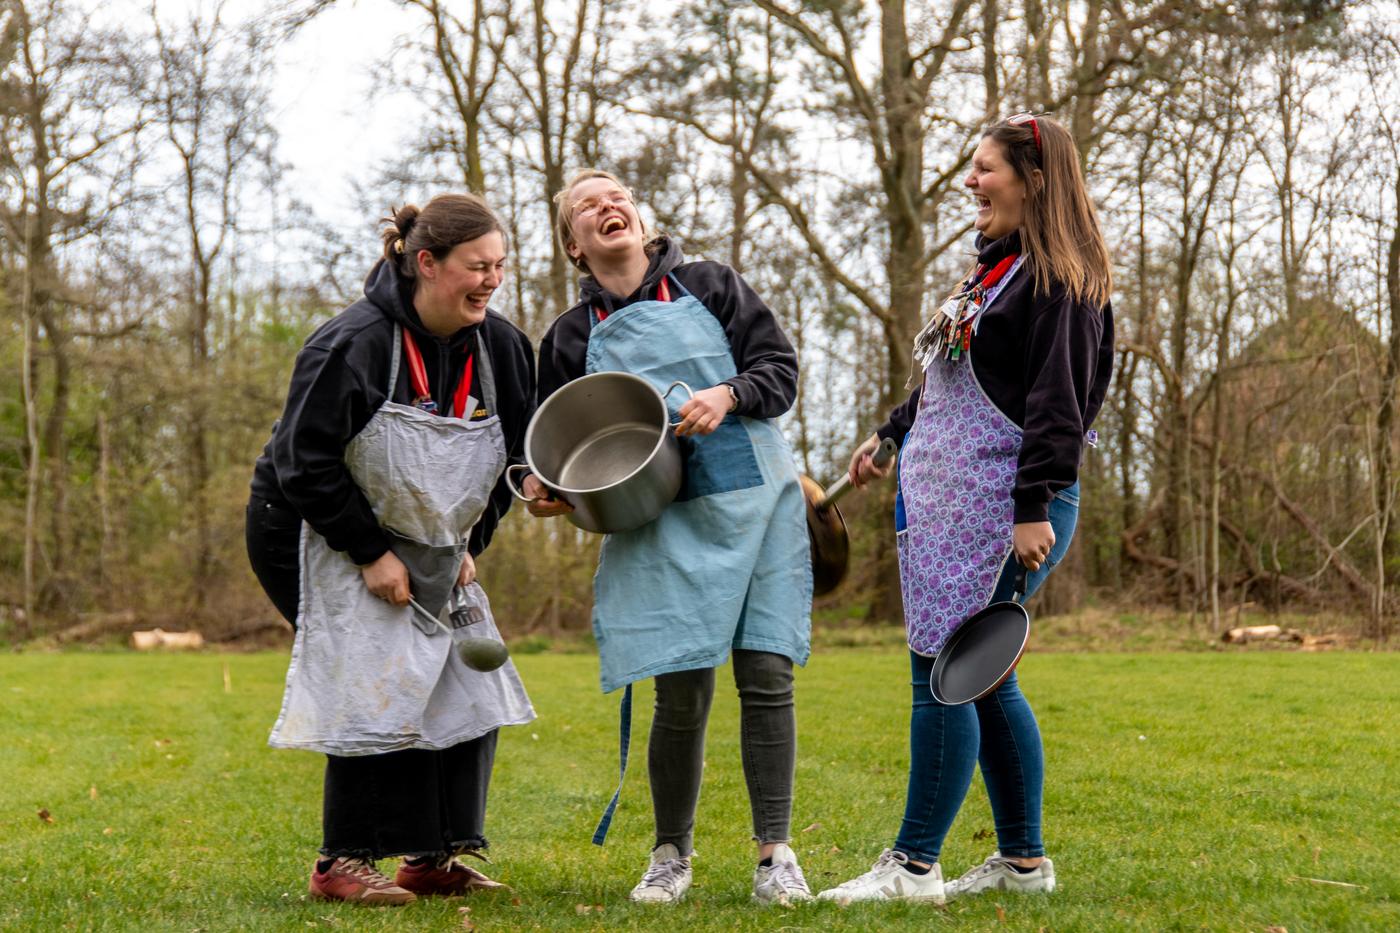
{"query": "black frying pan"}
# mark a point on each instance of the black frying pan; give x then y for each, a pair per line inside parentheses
(984, 650)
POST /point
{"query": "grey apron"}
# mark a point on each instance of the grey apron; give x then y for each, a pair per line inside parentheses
(364, 679)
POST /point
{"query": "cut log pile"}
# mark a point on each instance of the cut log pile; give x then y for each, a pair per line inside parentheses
(1248, 634)
(159, 638)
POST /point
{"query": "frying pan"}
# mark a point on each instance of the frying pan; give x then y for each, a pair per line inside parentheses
(984, 650)
(826, 528)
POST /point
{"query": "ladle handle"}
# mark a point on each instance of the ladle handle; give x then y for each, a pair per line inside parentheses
(883, 455)
(423, 613)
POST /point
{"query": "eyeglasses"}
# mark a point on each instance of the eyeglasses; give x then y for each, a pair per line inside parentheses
(1021, 119)
(596, 205)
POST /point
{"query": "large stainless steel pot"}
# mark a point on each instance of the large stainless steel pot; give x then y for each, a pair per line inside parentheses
(604, 443)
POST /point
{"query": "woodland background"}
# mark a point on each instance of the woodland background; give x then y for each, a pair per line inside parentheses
(158, 274)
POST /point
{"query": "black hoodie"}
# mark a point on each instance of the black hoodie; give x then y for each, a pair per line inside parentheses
(338, 383)
(766, 384)
(1045, 361)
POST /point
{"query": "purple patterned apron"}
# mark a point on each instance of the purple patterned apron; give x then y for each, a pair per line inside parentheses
(954, 513)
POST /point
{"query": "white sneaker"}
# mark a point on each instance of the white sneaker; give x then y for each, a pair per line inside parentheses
(996, 874)
(666, 880)
(890, 879)
(782, 882)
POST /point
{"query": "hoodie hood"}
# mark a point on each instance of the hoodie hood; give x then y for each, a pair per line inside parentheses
(665, 255)
(991, 252)
(392, 294)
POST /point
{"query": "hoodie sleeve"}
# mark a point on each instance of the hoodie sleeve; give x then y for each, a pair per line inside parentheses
(327, 405)
(563, 352)
(1061, 364)
(767, 380)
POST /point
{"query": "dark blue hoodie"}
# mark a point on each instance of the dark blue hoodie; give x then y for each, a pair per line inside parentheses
(338, 383)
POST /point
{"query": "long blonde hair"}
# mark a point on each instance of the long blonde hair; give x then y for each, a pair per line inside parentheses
(1060, 233)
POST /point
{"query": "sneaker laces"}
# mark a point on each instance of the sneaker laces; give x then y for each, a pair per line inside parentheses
(882, 864)
(991, 865)
(366, 871)
(788, 878)
(666, 874)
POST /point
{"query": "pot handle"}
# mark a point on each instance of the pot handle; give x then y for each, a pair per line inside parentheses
(519, 493)
(671, 388)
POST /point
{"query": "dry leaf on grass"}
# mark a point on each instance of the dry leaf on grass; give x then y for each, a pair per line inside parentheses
(981, 834)
(46, 816)
(1275, 929)
(812, 827)
(1001, 914)
(107, 831)
(92, 792)
(588, 908)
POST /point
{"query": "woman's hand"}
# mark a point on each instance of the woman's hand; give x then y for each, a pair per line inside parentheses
(468, 572)
(863, 468)
(1032, 542)
(387, 578)
(704, 411)
(542, 502)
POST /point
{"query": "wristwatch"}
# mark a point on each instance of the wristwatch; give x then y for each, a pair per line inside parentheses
(733, 396)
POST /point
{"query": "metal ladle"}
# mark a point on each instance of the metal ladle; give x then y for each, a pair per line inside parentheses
(476, 652)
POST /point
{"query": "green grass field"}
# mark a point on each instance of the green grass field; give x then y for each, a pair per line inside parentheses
(1220, 791)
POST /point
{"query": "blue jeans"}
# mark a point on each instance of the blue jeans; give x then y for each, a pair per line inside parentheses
(998, 732)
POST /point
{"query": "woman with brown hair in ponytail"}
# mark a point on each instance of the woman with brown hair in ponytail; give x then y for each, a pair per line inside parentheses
(1014, 366)
(378, 491)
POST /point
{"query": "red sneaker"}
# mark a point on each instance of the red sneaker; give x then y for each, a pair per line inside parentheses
(358, 881)
(446, 877)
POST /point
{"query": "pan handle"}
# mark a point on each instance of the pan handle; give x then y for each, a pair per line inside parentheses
(1018, 585)
(883, 455)
(510, 484)
(671, 388)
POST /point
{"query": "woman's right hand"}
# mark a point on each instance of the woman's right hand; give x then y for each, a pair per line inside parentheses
(387, 578)
(542, 503)
(863, 468)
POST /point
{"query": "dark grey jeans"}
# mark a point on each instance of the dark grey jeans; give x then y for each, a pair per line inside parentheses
(767, 737)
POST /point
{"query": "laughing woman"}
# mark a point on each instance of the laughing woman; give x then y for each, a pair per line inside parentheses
(380, 487)
(1015, 367)
(726, 566)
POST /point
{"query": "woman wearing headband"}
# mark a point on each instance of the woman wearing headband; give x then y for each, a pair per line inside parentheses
(1014, 367)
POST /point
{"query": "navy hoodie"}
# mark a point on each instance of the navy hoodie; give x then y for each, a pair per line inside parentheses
(338, 383)
(1045, 360)
(766, 384)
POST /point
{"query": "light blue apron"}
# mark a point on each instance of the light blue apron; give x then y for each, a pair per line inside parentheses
(728, 564)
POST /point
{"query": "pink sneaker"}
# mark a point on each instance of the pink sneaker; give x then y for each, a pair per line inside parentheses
(356, 880)
(445, 877)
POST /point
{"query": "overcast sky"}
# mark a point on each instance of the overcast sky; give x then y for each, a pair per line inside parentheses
(333, 126)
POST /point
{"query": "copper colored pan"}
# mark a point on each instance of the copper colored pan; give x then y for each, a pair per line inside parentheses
(826, 529)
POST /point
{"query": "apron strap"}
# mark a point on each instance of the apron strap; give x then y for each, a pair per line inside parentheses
(394, 364)
(624, 740)
(487, 376)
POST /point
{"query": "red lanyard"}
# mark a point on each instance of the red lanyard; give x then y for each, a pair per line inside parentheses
(418, 375)
(995, 275)
(663, 293)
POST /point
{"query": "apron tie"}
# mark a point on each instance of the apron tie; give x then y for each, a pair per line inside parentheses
(624, 740)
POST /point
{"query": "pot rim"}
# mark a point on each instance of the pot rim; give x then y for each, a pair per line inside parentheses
(537, 418)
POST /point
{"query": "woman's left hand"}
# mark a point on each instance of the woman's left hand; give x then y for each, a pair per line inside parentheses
(468, 572)
(1032, 542)
(704, 411)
